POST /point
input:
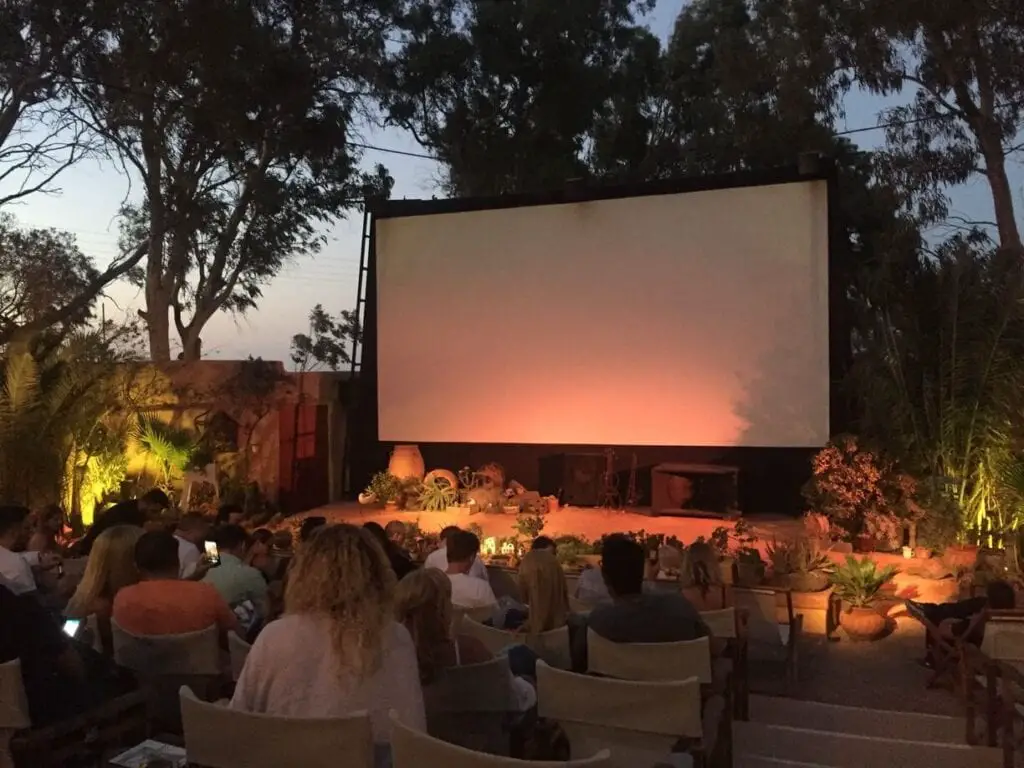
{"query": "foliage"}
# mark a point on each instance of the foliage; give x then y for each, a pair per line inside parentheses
(745, 543)
(507, 94)
(719, 540)
(570, 549)
(409, 492)
(329, 342)
(385, 486)
(55, 401)
(437, 496)
(529, 524)
(237, 118)
(170, 447)
(799, 556)
(858, 582)
(858, 491)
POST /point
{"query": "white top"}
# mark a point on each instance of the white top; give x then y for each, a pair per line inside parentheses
(16, 570)
(439, 559)
(591, 587)
(189, 557)
(471, 592)
(291, 672)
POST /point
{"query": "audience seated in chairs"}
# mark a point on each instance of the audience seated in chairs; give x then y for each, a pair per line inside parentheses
(461, 555)
(338, 649)
(439, 557)
(423, 605)
(191, 533)
(61, 679)
(963, 619)
(243, 587)
(16, 566)
(636, 617)
(109, 569)
(162, 603)
(400, 562)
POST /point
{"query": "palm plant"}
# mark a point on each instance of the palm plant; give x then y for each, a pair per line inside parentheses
(858, 582)
(172, 448)
(939, 373)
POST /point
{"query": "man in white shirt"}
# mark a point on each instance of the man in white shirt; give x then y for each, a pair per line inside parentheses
(439, 557)
(191, 535)
(467, 591)
(15, 568)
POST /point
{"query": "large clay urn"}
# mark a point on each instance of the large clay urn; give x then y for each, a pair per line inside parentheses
(406, 462)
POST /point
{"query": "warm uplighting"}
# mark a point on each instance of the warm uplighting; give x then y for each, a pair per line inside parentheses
(489, 546)
(908, 553)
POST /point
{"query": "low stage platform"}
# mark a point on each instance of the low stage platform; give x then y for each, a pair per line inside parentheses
(579, 521)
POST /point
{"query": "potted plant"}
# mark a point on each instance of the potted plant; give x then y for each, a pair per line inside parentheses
(799, 565)
(571, 551)
(858, 583)
(436, 495)
(384, 488)
(409, 493)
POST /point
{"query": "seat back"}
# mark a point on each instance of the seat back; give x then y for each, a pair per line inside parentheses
(215, 733)
(190, 653)
(413, 749)
(768, 622)
(163, 664)
(467, 705)
(13, 702)
(639, 723)
(552, 646)
(722, 622)
(480, 614)
(238, 650)
(649, 661)
(1004, 638)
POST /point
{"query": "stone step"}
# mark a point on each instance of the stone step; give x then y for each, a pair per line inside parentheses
(844, 750)
(816, 716)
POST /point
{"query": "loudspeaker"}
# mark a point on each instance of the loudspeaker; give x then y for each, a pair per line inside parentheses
(577, 479)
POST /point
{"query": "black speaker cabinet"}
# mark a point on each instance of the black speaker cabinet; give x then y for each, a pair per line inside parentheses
(693, 490)
(577, 479)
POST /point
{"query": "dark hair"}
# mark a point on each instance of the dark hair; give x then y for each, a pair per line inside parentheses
(622, 565)
(462, 545)
(193, 521)
(543, 542)
(309, 525)
(227, 510)
(1001, 596)
(261, 536)
(156, 497)
(231, 537)
(446, 533)
(156, 552)
(12, 516)
(378, 533)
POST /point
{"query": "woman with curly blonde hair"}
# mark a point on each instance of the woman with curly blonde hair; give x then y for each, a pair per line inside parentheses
(337, 649)
(423, 604)
(110, 568)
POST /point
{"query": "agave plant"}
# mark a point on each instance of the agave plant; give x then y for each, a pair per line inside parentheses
(858, 582)
(800, 555)
(437, 496)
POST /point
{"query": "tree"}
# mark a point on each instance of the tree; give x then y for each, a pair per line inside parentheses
(237, 117)
(960, 68)
(329, 342)
(40, 43)
(46, 283)
(506, 94)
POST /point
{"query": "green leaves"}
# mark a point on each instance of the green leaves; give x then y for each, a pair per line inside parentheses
(858, 582)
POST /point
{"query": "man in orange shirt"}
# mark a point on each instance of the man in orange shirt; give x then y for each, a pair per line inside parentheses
(163, 604)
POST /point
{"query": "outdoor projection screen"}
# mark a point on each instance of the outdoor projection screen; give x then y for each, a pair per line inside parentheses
(694, 319)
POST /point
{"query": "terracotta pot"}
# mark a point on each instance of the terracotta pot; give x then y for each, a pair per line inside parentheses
(391, 506)
(406, 462)
(441, 474)
(552, 504)
(961, 555)
(862, 623)
(922, 553)
(726, 566)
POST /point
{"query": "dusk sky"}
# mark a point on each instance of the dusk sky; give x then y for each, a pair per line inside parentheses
(91, 194)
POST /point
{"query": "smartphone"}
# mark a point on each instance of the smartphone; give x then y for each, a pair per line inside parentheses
(212, 553)
(71, 627)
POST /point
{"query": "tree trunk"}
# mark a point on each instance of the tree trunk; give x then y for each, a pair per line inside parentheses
(191, 345)
(158, 327)
(1002, 196)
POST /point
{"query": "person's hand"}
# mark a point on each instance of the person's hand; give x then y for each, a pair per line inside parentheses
(202, 568)
(49, 560)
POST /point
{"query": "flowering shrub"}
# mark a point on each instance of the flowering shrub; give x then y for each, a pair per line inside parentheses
(860, 492)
